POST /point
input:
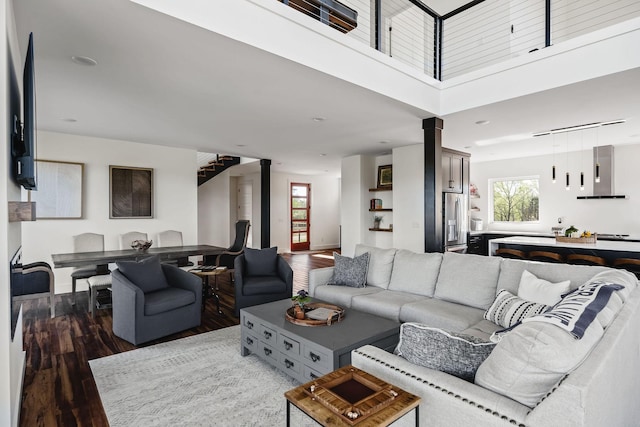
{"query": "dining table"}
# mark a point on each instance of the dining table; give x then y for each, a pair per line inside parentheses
(166, 253)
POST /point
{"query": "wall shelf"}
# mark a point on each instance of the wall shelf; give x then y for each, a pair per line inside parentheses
(22, 211)
(381, 210)
(381, 229)
(389, 188)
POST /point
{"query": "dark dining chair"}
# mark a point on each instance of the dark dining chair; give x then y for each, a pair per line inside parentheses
(228, 256)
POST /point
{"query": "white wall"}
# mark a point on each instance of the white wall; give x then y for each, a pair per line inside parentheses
(605, 216)
(175, 196)
(408, 197)
(214, 211)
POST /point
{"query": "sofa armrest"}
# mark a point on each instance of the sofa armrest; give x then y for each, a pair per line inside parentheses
(319, 276)
(446, 400)
(285, 272)
(127, 300)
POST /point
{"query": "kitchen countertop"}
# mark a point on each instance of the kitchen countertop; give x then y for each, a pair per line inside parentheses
(601, 245)
(631, 238)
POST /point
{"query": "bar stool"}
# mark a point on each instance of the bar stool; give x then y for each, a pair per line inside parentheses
(545, 256)
(583, 259)
(629, 264)
(511, 253)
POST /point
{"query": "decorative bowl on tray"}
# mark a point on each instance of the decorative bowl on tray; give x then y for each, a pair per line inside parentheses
(141, 245)
(316, 314)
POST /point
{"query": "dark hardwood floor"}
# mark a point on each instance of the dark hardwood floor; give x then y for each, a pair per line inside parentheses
(59, 389)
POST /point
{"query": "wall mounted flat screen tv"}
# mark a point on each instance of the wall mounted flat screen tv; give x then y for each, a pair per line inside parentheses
(24, 145)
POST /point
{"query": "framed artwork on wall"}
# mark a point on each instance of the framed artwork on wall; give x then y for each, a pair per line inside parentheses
(130, 192)
(59, 194)
(385, 176)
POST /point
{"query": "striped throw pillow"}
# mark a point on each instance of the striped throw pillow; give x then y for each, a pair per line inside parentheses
(508, 309)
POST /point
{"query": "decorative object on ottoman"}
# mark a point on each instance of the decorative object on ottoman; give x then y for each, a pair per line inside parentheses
(299, 300)
(315, 314)
(141, 245)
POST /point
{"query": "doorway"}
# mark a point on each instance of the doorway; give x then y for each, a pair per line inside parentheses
(300, 216)
(245, 206)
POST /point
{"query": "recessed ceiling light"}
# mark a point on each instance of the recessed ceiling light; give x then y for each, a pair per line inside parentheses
(318, 119)
(482, 122)
(384, 142)
(240, 145)
(84, 60)
(467, 146)
(69, 120)
(322, 154)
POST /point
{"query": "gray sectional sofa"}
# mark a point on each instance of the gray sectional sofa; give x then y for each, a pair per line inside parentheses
(597, 386)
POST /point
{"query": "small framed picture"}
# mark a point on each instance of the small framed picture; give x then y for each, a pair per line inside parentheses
(385, 176)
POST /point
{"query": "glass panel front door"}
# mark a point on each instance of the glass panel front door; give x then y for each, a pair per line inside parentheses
(300, 210)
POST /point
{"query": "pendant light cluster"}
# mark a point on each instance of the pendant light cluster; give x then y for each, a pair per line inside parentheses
(553, 132)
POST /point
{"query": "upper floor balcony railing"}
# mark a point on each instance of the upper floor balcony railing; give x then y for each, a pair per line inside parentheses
(479, 34)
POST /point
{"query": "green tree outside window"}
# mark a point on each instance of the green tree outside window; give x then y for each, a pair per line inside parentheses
(516, 200)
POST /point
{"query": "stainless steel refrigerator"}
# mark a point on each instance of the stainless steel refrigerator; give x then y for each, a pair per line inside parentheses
(455, 221)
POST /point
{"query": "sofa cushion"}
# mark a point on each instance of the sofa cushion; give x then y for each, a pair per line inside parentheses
(380, 264)
(508, 309)
(451, 352)
(578, 309)
(468, 279)
(384, 304)
(342, 295)
(550, 352)
(146, 274)
(167, 299)
(441, 314)
(511, 273)
(261, 262)
(538, 290)
(415, 273)
(350, 271)
(483, 329)
(263, 285)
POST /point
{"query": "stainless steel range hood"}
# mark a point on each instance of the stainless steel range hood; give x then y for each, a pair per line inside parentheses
(603, 166)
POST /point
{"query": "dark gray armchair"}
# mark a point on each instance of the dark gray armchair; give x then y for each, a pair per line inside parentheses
(261, 276)
(152, 300)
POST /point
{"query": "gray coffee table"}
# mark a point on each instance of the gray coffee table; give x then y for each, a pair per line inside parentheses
(306, 352)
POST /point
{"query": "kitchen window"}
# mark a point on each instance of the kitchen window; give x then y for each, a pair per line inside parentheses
(515, 200)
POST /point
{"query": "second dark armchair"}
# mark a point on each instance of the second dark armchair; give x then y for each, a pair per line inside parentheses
(261, 276)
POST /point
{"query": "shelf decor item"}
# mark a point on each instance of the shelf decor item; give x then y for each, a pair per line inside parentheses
(377, 220)
(316, 314)
(385, 176)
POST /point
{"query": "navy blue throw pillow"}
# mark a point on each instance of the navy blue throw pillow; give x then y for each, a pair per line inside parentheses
(261, 262)
(146, 274)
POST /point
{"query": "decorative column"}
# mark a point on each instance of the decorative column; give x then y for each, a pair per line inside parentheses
(433, 184)
(265, 203)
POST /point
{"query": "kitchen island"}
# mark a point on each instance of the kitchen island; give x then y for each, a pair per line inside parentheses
(607, 249)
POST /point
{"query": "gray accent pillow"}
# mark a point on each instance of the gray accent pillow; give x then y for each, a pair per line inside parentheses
(146, 274)
(261, 262)
(350, 271)
(451, 352)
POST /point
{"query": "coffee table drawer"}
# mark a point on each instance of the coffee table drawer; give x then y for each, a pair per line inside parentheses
(290, 365)
(249, 322)
(267, 352)
(310, 374)
(288, 345)
(267, 335)
(316, 359)
(250, 342)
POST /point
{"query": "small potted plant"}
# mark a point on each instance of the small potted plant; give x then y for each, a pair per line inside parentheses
(299, 300)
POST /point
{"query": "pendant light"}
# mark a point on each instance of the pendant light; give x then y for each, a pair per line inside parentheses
(597, 178)
(568, 187)
(581, 161)
(553, 168)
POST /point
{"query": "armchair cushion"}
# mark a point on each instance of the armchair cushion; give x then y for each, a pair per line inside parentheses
(263, 285)
(167, 299)
(261, 262)
(146, 274)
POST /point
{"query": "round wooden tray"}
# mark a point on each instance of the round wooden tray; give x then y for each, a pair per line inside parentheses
(313, 322)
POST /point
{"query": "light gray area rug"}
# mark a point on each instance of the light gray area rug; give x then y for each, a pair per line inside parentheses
(196, 381)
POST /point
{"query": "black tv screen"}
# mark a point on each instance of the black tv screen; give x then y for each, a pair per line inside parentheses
(25, 166)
